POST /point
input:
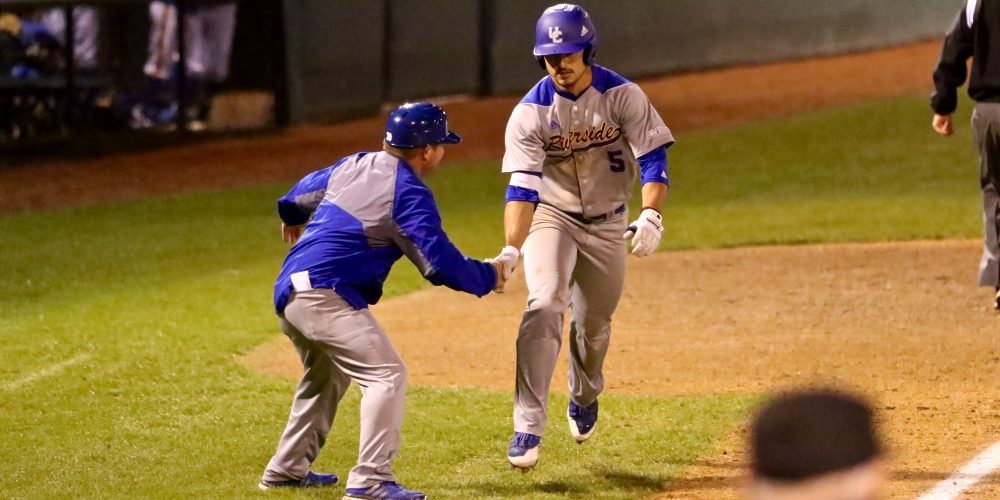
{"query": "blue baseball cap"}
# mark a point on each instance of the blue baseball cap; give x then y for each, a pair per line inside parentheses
(418, 124)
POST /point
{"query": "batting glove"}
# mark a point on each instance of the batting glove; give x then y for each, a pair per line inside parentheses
(645, 232)
(508, 259)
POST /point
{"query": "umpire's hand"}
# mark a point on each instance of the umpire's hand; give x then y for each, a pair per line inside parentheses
(942, 124)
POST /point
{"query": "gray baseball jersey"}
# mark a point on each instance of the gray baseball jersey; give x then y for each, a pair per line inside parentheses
(577, 156)
(585, 147)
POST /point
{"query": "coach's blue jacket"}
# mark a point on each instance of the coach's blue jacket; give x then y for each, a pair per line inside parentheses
(368, 210)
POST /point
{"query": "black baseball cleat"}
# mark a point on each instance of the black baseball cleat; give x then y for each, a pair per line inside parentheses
(312, 480)
(996, 300)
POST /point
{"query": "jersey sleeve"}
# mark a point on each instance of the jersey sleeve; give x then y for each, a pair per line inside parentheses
(524, 186)
(641, 124)
(524, 145)
(951, 69)
(653, 166)
(424, 242)
(297, 205)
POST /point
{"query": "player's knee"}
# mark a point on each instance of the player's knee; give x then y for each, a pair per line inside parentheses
(398, 376)
(388, 379)
(549, 304)
(594, 330)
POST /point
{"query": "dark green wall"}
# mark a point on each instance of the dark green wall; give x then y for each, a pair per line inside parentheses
(347, 58)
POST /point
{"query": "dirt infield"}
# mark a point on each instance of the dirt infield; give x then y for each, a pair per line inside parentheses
(899, 322)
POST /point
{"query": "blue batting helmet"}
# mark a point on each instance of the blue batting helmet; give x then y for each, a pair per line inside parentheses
(564, 29)
(418, 124)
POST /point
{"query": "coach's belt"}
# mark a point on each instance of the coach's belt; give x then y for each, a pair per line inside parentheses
(597, 218)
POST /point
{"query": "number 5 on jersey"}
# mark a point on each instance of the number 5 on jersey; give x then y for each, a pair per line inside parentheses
(617, 163)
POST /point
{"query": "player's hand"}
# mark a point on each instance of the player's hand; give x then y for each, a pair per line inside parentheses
(507, 261)
(645, 232)
(942, 124)
(291, 234)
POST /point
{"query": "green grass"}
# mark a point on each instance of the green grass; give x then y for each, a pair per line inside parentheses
(152, 300)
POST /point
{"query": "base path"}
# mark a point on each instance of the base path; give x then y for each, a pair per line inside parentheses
(899, 322)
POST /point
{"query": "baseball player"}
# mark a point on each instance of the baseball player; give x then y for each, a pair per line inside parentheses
(367, 211)
(574, 147)
(973, 36)
(209, 26)
(86, 31)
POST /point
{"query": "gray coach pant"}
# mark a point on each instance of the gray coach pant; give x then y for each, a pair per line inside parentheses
(337, 344)
(986, 125)
(566, 263)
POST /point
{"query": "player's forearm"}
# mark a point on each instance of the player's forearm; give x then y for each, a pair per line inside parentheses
(517, 221)
(654, 194)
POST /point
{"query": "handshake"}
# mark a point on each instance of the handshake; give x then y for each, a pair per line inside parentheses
(505, 264)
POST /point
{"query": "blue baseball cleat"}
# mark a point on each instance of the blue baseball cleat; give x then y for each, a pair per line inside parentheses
(523, 450)
(387, 490)
(582, 420)
(312, 480)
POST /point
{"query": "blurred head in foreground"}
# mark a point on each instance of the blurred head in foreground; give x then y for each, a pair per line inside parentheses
(815, 445)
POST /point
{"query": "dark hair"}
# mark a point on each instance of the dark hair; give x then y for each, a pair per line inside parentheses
(803, 434)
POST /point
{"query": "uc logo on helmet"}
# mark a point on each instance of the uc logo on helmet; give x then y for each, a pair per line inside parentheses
(555, 34)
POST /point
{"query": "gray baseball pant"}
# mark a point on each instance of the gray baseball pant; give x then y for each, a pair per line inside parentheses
(566, 264)
(208, 40)
(986, 126)
(337, 344)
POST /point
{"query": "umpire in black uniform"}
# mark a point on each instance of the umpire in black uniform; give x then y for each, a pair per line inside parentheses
(976, 34)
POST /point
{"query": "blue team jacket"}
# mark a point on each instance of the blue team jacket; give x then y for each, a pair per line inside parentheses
(368, 210)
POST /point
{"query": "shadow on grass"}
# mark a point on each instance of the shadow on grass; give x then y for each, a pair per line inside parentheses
(503, 489)
(595, 482)
(632, 481)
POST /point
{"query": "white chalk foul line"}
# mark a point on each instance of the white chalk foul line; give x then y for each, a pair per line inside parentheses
(973, 472)
(45, 372)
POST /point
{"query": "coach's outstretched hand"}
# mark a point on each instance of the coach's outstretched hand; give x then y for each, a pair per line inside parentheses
(645, 232)
(498, 266)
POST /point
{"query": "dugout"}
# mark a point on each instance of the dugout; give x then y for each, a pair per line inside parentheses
(52, 92)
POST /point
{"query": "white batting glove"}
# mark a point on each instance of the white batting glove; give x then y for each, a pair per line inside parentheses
(645, 232)
(508, 259)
